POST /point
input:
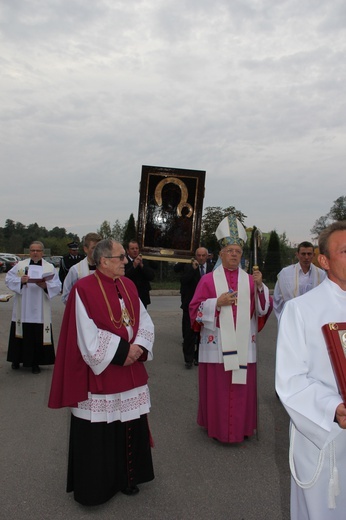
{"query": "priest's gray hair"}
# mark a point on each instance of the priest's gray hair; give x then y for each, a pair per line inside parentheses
(323, 240)
(102, 249)
(37, 242)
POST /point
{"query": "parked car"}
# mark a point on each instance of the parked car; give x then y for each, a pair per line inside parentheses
(56, 260)
(2, 266)
(10, 261)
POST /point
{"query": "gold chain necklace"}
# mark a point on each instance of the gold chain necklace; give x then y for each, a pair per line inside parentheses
(126, 318)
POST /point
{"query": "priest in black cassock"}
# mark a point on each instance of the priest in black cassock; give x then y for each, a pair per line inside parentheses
(106, 335)
(31, 336)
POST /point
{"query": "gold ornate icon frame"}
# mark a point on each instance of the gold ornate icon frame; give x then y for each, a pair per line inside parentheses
(170, 212)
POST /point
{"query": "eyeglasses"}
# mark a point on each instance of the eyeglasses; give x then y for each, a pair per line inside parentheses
(121, 257)
(231, 251)
(36, 250)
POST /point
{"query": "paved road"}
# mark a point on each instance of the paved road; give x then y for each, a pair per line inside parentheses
(196, 477)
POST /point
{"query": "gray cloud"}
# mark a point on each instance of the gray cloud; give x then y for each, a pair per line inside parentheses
(251, 92)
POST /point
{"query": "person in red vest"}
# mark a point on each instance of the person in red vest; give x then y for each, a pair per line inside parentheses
(106, 336)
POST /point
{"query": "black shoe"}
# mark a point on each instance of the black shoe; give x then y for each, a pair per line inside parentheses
(133, 490)
(15, 366)
(35, 369)
(188, 365)
(195, 362)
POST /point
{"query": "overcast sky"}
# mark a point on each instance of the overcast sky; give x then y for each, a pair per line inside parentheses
(251, 91)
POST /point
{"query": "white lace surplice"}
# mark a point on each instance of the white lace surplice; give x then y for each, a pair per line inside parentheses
(98, 348)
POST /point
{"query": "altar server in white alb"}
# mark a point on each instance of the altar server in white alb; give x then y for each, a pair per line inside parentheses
(84, 267)
(307, 387)
(297, 279)
(31, 337)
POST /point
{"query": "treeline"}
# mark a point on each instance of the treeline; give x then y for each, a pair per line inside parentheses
(274, 251)
(16, 237)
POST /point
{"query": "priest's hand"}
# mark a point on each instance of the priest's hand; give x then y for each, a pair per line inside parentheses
(43, 285)
(228, 298)
(340, 416)
(24, 279)
(257, 278)
(133, 355)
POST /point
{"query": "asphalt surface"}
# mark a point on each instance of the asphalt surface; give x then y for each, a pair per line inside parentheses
(195, 476)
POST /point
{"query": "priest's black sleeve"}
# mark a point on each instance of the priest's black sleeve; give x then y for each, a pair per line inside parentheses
(121, 353)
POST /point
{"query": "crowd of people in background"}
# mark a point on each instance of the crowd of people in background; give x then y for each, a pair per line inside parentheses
(107, 335)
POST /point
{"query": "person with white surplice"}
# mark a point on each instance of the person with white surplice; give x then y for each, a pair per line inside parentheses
(31, 336)
(106, 336)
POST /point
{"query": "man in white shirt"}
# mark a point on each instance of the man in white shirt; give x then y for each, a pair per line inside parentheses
(297, 279)
(84, 267)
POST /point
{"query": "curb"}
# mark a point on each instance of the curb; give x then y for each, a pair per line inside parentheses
(165, 292)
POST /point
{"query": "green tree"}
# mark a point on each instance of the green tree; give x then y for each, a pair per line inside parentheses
(20, 228)
(255, 235)
(118, 231)
(336, 212)
(105, 230)
(320, 224)
(15, 243)
(57, 232)
(9, 228)
(15, 237)
(130, 230)
(211, 219)
(56, 245)
(34, 232)
(2, 240)
(272, 264)
(286, 250)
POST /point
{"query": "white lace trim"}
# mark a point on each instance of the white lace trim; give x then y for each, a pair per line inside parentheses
(97, 357)
(124, 406)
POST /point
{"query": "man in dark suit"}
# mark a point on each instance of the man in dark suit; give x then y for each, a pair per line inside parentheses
(191, 275)
(67, 261)
(139, 272)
